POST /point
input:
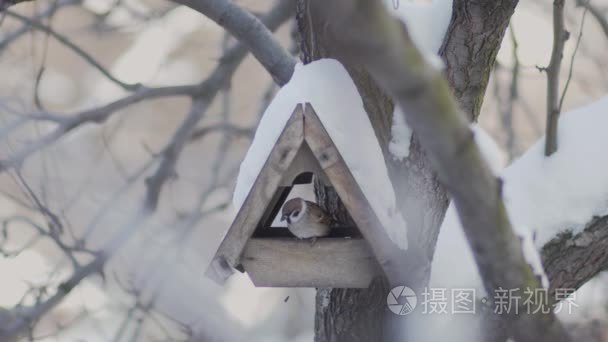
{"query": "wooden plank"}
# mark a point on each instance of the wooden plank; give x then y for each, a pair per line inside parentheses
(351, 194)
(329, 262)
(258, 199)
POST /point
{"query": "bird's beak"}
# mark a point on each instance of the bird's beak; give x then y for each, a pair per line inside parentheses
(283, 218)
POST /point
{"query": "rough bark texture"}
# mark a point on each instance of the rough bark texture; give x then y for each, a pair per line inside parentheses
(470, 47)
(348, 314)
(351, 315)
(572, 260)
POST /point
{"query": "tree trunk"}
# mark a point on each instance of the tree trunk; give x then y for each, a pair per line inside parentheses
(360, 315)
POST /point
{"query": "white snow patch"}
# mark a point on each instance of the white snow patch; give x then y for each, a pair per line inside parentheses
(452, 247)
(564, 191)
(332, 93)
(426, 22)
(401, 136)
(544, 196)
(492, 153)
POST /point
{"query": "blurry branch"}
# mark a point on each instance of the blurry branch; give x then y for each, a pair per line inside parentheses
(600, 16)
(205, 90)
(218, 79)
(8, 38)
(223, 129)
(571, 68)
(96, 115)
(69, 44)
(172, 151)
(560, 35)
(505, 106)
(251, 32)
(23, 318)
(444, 133)
(4, 4)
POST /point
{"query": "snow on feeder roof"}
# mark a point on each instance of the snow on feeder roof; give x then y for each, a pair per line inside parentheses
(328, 135)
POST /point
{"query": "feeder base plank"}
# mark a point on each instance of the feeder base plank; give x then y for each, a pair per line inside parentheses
(329, 262)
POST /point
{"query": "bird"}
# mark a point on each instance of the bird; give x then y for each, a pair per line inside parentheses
(306, 219)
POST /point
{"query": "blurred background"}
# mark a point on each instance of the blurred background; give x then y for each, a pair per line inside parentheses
(89, 182)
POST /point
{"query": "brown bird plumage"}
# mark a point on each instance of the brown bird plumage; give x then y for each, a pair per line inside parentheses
(305, 219)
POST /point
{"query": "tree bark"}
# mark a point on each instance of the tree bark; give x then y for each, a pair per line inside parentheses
(470, 48)
(444, 132)
(359, 314)
(420, 196)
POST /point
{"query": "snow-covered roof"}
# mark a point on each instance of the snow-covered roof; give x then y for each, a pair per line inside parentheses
(327, 86)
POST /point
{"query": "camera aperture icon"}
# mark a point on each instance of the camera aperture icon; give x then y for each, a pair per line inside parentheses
(401, 300)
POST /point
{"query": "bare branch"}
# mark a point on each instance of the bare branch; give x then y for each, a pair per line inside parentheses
(505, 106)
(95, 115)
(250, 31)
(4, 4)
(218, 79)
(78, 50)
(444, 133)
(172, 152)
(207, 89)
(560, 35)
(14, 35)
(571, 69)
(223, 129)
(599, 15)
(24, 317)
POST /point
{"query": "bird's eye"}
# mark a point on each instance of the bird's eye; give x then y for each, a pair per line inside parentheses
(296, 213)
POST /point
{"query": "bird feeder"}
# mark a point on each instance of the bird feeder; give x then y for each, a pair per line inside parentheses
(350, 257)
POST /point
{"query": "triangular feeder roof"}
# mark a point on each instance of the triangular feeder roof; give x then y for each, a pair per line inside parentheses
(302, 133)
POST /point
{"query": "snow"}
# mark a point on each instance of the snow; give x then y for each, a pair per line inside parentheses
(426, 22)
(452, 247)
(401, 136)
(494, 156)
(333, 95)
(564, 191)
(543, 195)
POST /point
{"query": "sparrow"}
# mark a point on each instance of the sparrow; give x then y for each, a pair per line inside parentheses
(306, 219)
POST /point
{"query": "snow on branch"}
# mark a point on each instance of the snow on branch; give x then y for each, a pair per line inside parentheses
(561, 201)
(328, 87)
(567, 189)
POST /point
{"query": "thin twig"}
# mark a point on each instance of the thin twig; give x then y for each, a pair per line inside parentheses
(599, 15)
(571, 70)
(78, 50)
(14, 35)
(560, 35)
(250, 30)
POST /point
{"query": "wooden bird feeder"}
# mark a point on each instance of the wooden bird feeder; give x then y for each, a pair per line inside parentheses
(349, 258)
